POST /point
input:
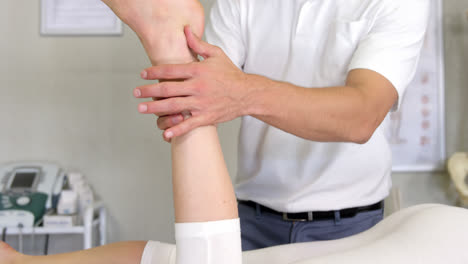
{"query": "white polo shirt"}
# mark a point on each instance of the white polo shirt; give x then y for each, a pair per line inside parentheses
(315, 43)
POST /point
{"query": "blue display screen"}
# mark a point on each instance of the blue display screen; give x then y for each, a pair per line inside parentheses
(23, 180)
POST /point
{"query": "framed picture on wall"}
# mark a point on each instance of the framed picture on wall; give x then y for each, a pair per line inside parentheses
(78, 17)
(416, 132)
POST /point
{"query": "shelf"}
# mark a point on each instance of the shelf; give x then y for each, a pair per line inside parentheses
(90, 222)
(49, 230)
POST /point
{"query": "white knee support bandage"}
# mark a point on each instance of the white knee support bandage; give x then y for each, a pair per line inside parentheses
(209, 242)
(199, 243)
(158, 253)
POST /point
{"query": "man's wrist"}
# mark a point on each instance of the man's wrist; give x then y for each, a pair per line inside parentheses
(256, 88)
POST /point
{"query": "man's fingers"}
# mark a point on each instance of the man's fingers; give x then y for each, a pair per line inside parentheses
(165, 122)
(168, 106)
(169, 72)
(164, 90)
(199, 46)
(184, 127)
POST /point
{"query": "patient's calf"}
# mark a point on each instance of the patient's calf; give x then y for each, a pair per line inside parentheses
(8, 255)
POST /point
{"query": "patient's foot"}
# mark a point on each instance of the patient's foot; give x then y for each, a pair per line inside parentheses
(159, 25)
(9, 255)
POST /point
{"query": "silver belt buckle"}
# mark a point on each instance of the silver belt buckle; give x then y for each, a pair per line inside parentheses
(310, 217)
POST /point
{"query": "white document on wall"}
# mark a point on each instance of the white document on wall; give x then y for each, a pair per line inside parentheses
(78, 17)
(416, 132)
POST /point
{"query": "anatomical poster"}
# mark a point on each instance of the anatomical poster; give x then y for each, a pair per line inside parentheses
(78, 17)
(416, 131)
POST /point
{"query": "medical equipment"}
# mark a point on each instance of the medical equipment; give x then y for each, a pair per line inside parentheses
(68, 203)
(85, 196)
(30, 194)
(76, 197)
(60, 221)
(28, 190)
(458, 170)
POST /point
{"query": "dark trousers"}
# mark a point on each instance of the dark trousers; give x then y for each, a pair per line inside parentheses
(262, 229)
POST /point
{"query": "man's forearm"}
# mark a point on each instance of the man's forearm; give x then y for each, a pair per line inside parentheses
(217, 91)
(332, 114)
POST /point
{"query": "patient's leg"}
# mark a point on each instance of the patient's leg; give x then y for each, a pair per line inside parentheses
(8, 255)
(116, 253)
(202, 187)
(203, 192)
(207, 224)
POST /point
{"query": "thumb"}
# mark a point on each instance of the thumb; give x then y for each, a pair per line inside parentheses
(199, 46)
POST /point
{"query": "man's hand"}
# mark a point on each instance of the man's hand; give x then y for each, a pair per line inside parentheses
(159, 25)
(213, 91)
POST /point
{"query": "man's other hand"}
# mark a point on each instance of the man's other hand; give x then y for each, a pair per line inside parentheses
(213, 90)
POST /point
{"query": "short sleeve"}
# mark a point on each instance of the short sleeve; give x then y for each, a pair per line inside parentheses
(224, 30)
(393, 46)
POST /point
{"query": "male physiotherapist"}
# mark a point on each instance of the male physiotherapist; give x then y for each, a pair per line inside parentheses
(312, 81)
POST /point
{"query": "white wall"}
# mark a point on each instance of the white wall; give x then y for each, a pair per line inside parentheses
(69, 99)
(436, 187)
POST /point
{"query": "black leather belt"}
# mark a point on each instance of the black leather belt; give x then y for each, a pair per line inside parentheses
(319, 215)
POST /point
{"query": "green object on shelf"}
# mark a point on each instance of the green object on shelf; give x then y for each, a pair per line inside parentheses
(32, 202)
